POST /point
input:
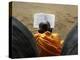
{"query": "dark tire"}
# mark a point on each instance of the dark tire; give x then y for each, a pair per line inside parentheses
(71, 43)
(21, 41)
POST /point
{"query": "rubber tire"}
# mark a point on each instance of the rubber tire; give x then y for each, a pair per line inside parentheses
(71, 42)
(21, 41)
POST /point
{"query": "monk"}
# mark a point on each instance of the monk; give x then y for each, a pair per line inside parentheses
(48, 43)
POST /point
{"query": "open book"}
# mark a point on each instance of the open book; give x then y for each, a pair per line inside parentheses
(43, 17)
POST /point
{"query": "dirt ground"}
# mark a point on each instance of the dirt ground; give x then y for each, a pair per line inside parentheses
(66, 15)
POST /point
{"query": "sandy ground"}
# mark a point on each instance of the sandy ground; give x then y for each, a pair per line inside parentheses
(66, 15)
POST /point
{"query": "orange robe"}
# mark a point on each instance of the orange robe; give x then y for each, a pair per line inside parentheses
(49, 44)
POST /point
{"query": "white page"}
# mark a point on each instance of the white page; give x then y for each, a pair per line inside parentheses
(43, 17)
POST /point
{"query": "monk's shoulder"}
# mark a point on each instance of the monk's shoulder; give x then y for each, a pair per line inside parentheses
(36, 35)
(55, 34)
